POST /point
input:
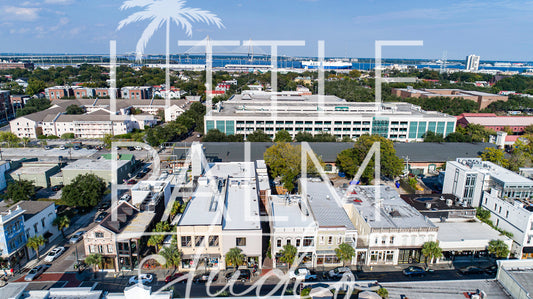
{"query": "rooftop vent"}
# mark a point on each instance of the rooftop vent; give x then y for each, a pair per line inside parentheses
(449, 202)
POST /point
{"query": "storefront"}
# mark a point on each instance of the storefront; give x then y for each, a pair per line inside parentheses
(207, 261)
(527, 253)
(383, 257)
(327, 258)
(409, 256)
(306, 260)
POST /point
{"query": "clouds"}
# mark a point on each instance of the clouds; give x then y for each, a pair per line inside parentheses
(21, 13)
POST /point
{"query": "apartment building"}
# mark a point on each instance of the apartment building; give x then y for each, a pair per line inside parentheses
(59, 92)
(333, 224)
(223, 213)
(483, 99)
(390, 231)
(514, 215)
(120, 240)
(297, 112)
(12, 236)
(468, 178)
(136, 92)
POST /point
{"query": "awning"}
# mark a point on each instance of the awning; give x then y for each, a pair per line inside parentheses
(192, 256)
(326, 252)
(527, 250)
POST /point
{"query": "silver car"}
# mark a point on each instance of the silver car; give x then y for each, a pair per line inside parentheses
(76, 237)
(35, 272)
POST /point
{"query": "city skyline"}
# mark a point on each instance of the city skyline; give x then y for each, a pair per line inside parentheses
(460, 28)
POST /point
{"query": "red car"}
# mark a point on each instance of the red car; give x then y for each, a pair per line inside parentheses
(131, 182)
(173, 277)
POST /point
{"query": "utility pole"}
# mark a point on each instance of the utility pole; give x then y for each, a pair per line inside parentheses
(406, 170)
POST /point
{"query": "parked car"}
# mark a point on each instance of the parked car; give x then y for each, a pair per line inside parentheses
(339, 272)
(63, 147)
(76, 147)
(104, 206)
(131, 148)
(89, 147)
(140, 175)
(414, 271)
(303, 274)
(204, 277)
(244, 275)
(35, 272)
(125, 197)
(492, 270)
(131, 182)
(144, 278)
(47, 147)
(55, 253)
(57, 187)
(138, 148)
(76, 237)
(100, 217)
(174, 277)
(470, 270)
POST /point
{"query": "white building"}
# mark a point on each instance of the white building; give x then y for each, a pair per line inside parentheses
(472, 63)
(146, 191)
(390, 231)
(467, 178)
(515, 216)
(334, 225)
(292, 223)
(38, 221)
(4, 166)
(223, 213)
(297, 112)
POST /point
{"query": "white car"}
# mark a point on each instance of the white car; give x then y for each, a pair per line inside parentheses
(125, 197)
(145, 278)
(138, 148)
(302, 274)
(339, 272)
(55, 253)
(76, 237)
(63, 147)
(35, 272)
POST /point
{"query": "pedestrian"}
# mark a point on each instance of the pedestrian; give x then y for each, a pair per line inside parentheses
(11, 271)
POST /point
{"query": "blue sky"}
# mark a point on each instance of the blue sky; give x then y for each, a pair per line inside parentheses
(495, 30)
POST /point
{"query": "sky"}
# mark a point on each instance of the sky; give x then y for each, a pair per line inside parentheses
(495, 29)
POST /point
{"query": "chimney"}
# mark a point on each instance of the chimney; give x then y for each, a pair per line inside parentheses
(449, 202)
(428, 205)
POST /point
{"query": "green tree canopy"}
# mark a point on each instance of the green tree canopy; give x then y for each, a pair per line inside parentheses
(494, 155)
(345, 252)
(35, 87)
(304, 136)
(157, 240)
(86, 190)
(35, 242)
(9, 138)
(288, 254)
(258, 136)
(283, 136)
(431, 250)
(18, 190)
(95, 260)
(498, 248)
(431, 136)
(75, 109)
(171, 254)
(62, 222)
(350, 160)
(234, 257)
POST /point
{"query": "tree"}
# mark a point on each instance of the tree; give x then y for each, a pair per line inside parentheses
(498, 248)
(95, 260)
(304, 137)
(284, 161)
(345, 252)
(431, 250)
(234, 257)
(86, 190)
(74, 109)
(258, 136)
(9, 138)
(431, 136)
(288, 254)
(156, 240)
(495, 155)
(25, 141)
(35, 87)
(68, 136)
(62, 222)
(35, 242)
(107, 140)
(458, 137)
(214, 135)
(324, 137)
(482, 214)
(350, 160)
(171, 254)
(283, 136)
(383, 293)
(18, 190)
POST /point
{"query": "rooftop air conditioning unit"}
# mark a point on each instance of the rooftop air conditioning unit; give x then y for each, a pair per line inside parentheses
(449, 202)
(428, 205)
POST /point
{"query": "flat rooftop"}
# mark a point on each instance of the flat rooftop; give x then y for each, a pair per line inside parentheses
(327, 211)
(137, 226)
(87, 164)
(497, 172)
(34, 168)
(288, 212)
(387, 211)
(242, 206)
(466, 235)
(447, 289)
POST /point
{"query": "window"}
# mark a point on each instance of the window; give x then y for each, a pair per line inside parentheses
(186, 241)
(35, 228)
(109, 248)
(339, 240)
(100, 249)
(288, 242)
(278, 243)
(298, 241)
(308, 241)
(213, 241)
(391, 240)
(198, 241)
(92, 249)
(322, 239)
(376, 241)
(383, 240)
(500, 210)
(98, 234)
(330, 240)
(241, 241)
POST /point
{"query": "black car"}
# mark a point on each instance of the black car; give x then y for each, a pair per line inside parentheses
(140, 175)
(104, 206)
(471, 270)
(57, 187)
(492, 270)
(244, 275)
(100, 217)
(414, 271)
(131, 148)
(204, 277)
(90, 147)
